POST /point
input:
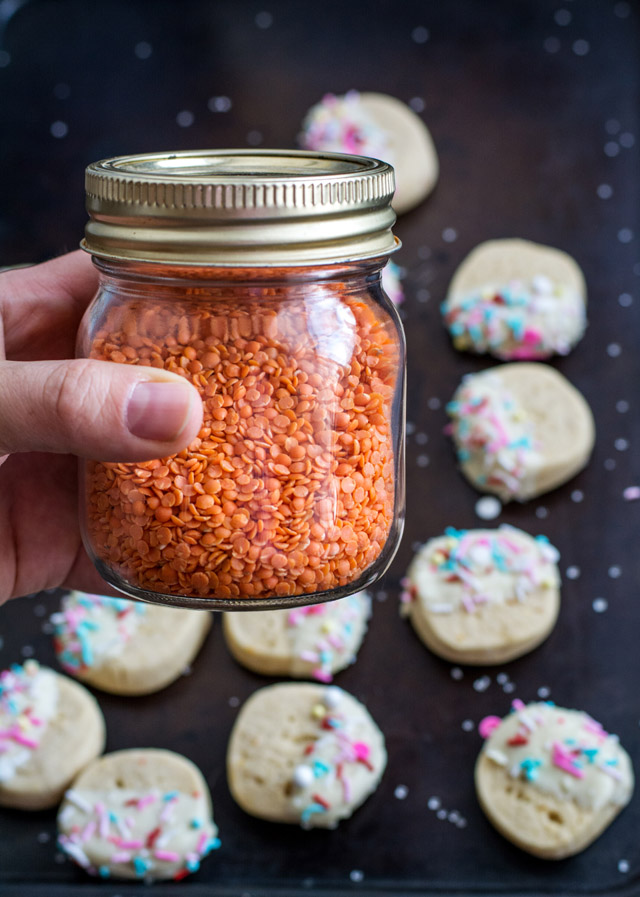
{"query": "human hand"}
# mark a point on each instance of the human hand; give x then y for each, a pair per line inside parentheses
(52, 408)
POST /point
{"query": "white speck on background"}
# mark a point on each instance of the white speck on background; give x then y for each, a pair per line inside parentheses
(577, 495)
(420, 34)
(423, 295)
(254, 138)
(622, 406)
(44, 838)
(410, 428)
(614, 350)
(433, 803)
(488, 507)
(39, 610)
(623, 866)
(467, 725)
(234, 701)
(542, 512)
(424, 252)
(456, 673)
(562, 17)
(59, 129)
(615, 572)
(482, 684)
(219, 104)
(625, 299)
(143, 49)
(625, 235)
(551, 44)
(27, 651)
(417, 104)
(502, 678)
(609, 464)
(611, 149)
(449, 234)
(605, 191)
(544, 692)
(422, 460)
(381, 595)
(441, 814)
(621, 444)
(612, 126)
(573, 572)
(264, 20)
(401, 792)
(600, 605)
(185, 118)
(581, 47)
(627, 140)
(356, 875)
(631, 493)
(422, 438)
(434, 403)
(509, 687)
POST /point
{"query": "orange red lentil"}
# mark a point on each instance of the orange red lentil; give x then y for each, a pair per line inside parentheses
(289, 487)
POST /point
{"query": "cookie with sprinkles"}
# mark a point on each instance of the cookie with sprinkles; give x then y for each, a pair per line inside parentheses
(551, 780)
(516, 300)
(50, 729)
(138, 814)
(304, 753)
(520, 430)
(126, 647)
(381, 126)
(483, 596)
(311, 642)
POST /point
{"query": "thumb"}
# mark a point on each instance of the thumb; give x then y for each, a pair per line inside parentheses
(96, 409)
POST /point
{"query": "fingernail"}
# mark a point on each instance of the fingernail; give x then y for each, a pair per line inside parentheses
(158, 411)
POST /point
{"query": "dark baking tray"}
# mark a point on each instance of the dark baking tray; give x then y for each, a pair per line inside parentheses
(521, 116)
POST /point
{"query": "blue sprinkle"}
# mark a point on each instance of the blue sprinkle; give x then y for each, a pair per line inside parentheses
(192, 865)
(104, 872)
(457, 329)
(170, 795)
(310, 810)
(590, 753)
(612, 762)
(195, 823)
(140, 865)
(113, 817)
(464, 454)
(320, 768)
(214, 844)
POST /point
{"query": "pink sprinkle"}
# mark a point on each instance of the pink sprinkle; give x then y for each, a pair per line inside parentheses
(89, 830)
(487, 725)
(531, 336)
(22, 739)
(309, 656)
(145, 801)
(322, 675)
(631, 493)
(121, 857)
(126, 845)
(203, 840)
(361, 750)
(565, 761)
(169, 856)
(517, 704)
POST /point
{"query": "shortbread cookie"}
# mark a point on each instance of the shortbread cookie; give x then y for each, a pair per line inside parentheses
(50, 728)
(307, 642)
(377, 125)
(138, 814)
(483, 596)
(303, 753)
(551, 780)
(516, 300)
(520, 430)
(126, 647)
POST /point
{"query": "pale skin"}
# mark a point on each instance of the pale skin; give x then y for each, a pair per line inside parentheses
(53, 409)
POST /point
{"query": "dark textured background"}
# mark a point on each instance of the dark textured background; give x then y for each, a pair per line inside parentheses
(528, 127)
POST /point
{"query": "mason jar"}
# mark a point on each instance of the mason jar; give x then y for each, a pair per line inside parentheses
(256, 276)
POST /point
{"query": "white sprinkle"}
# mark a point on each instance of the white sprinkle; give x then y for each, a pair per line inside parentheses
(422, 438)
(605, 191)
(441, 814)
(625, 299)
(62, 91)
(254, 138)
(433, 803)
(562, 17)
(456, 673)
(551, 44)
(497, 756)
(39, 610)
(612, 126)
(185, 118)
(581, 47)
(410, 427)
(423, 295)
(482, 684)
(44, 838)
(59, 129)
(143, 49)
(600, 605)
(542, 512)
(462, 822)
(544, 692)
(627, 140)
(631, 493)
(449, 235)
(488, 507)
(615, 572)
(622, 10)
(78, 801)
(420, 34)
(234, 702)
(622, 406)
(356, 875)
(509, 687)
(401, 792)
(219, 104)
(434, 403)
(27, 651)
(453, 817)
(303, 776)
(577, 495)
(468, 725)
(614, 350)
(573, 572)
(611, 149)
(417, 104)
(333, 697)
(381, 595)
(625, 235)
(422, 460)
(623, 866)
(621, 444)
(502, 678)
(264, 20)
(48, 628)
(609, 464)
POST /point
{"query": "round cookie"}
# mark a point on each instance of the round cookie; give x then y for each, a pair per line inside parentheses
(520, 430)
(551, 780)
(302, 753)
(50, 728)
(516, 300)
(142, 814)
(377, 125)
(126, 647)
(483, 596)
(311, 642)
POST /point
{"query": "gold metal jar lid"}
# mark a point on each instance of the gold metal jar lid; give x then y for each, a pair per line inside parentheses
(240, 208)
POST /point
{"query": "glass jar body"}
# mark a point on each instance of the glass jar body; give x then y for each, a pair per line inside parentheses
(293, 491)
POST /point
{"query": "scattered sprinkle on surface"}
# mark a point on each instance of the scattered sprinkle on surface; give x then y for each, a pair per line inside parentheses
(482, 684)
(577, 496)
(356, 875)
(488, 507)
(401, 791)
(615, 572)
(600, 605)
(456, 673)
(467, 725)
(623, 866)
(573, 572)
